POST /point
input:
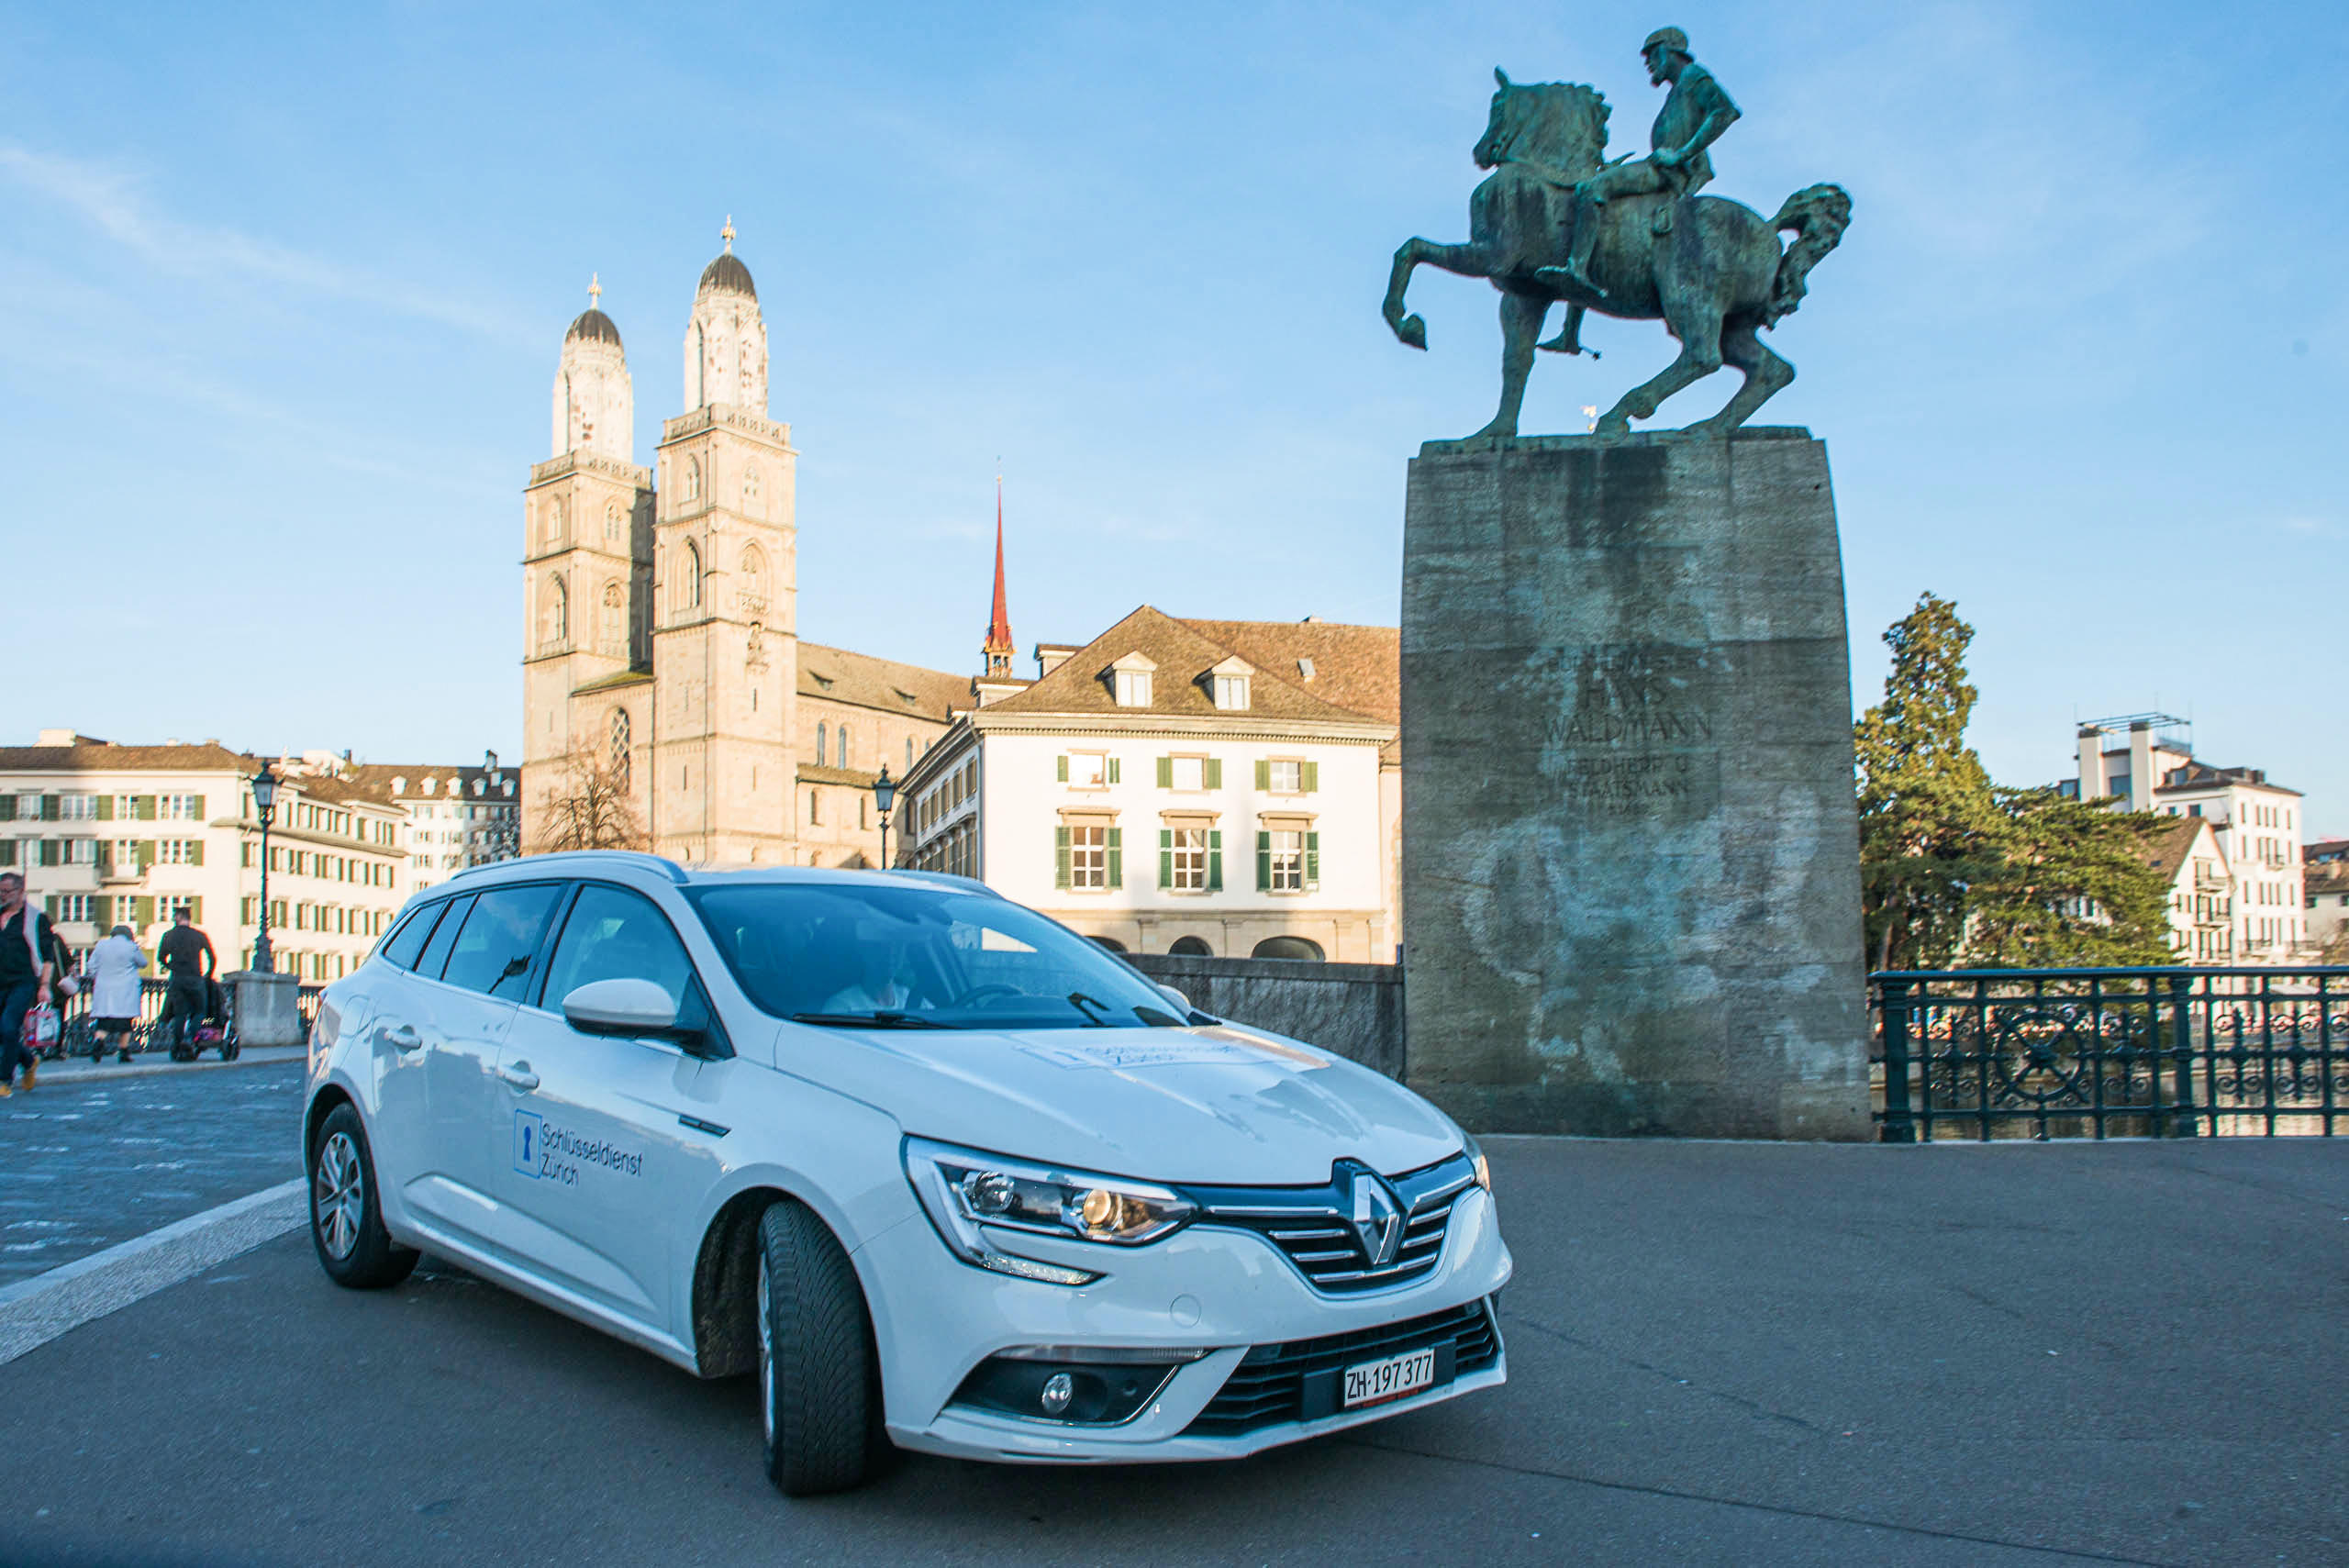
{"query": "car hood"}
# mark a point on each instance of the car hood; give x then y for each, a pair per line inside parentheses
(1216, 1105)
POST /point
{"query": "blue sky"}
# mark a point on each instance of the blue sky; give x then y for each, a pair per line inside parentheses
(282, 292)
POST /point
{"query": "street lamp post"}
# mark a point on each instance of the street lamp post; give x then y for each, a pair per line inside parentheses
(264, 785)
(884, 794)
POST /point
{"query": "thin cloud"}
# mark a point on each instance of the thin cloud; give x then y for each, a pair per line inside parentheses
(112, 201)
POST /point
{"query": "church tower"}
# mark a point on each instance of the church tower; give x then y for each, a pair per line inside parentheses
(725, 649)
(587, 553)
(998, 648)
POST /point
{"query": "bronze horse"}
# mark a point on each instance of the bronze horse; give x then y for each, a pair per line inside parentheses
(1709, 267)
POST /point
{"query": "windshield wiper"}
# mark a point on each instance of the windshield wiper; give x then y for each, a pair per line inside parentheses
(1085, 1004)
(884, 1019)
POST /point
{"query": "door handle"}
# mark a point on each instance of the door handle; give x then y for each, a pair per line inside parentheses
(519, 1075)
(403, 1039)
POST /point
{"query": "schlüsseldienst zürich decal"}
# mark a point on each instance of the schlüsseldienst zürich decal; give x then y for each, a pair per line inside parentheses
(549, 1151)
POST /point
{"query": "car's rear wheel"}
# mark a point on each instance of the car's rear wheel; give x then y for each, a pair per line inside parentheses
(346, 1224)
(819, 1391)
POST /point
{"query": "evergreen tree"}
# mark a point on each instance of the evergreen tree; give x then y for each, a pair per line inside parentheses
(1929, 820)
(2075, 886)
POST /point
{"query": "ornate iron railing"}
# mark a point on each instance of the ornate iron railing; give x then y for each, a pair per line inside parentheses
(2042, 1054)
(76, 1038)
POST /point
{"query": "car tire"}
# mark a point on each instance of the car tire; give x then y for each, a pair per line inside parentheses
(819, 1390)
(346, 1225)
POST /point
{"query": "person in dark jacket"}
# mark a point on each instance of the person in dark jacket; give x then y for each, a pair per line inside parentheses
(28, 965)
(188, 961)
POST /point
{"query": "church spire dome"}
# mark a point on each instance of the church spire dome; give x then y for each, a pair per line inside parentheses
(726, 342)
(595, 402)
(998, 647)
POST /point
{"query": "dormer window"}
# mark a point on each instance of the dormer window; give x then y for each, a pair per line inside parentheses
(1130, 678)
(1227, 685)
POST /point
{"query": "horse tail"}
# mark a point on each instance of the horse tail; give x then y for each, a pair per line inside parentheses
(1817, 216)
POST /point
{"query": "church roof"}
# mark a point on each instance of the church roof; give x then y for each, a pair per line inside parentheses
(859, 680)
(728, 272)
(595, 326)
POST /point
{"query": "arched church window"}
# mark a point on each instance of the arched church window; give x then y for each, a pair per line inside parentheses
(617, 749)
(612, 523)
(550, 535)
(554, 613)
(755, 569)
(693, 479)
(909, 753)
(823, 740)
(615, 622)
(692, 575)
(844, 756)
(750, 490)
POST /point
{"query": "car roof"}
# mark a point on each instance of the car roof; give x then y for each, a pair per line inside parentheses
(590, 862)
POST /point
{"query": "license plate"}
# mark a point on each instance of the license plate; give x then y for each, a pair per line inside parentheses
(1371, 1383)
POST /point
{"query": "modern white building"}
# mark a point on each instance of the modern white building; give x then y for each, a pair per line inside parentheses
(108, 835)
(2201, 892)
(459, 815)
(2145, 761)
(1225, 788)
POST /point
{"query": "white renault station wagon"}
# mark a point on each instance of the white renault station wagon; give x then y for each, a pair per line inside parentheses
(945, 1175)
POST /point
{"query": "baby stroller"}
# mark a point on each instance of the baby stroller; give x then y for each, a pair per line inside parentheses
(215, 1029)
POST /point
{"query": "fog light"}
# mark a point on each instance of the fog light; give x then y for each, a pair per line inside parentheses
(1059, 1389)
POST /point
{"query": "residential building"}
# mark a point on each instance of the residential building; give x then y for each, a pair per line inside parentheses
(2145, 761)
(108, 835)
(1228, 788)
(660, 644)
(459, 815)
(2325, 897)
(2200, 890)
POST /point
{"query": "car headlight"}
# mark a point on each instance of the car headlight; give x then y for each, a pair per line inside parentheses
(965, 1193)
(1476, 1153)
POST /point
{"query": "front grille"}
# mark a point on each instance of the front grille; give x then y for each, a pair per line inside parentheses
(1299, 1381)
(1312, 1226)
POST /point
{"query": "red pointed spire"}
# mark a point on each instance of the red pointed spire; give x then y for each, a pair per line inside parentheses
(998, 647)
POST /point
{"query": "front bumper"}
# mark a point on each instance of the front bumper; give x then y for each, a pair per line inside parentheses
(1222, 1291)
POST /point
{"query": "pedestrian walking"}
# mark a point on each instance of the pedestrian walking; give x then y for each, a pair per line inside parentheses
(27, 968)
(188, 963)
(114, 968)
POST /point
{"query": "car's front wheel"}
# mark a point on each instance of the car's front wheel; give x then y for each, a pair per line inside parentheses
(818, 1393)
(345, 1222)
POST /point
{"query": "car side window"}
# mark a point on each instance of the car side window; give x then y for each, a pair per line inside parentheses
(444, 937)
(500, 939)
(613, 934)
(402, 947)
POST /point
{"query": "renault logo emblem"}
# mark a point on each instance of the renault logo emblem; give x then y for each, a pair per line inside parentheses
(1373, 1214)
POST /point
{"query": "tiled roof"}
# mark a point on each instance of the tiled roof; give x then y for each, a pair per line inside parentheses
(854, 778)
(342, 792)
(1183, 652)
(883, 685)
(88, 756)
(373, 782)
(1360, 667)
(2327, 876)
(2172, 842)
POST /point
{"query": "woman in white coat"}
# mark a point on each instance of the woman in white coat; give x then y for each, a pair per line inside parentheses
(112, 970)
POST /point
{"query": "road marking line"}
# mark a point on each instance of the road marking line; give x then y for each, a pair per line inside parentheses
(35, 1311)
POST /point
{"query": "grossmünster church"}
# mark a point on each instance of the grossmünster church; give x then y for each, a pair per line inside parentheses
(660, 647)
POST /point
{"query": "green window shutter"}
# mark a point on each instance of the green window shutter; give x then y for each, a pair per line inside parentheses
(1312, 775)
(1116, 857)
(1215, 860)
(1113, 769)
(1264, 773)
(7, 852)
(7, 808)
(49, 808)
(1312, 861)
(1165, 857)
(106, 808)
(146, 854)
(1263, 862)
(1215, 772)
(52, 851)
(1166, 773)
(51, 906)
(1060, 767)
(1060, 858)
(195, 852)
(143, 806)
(196, 909)
(145, 906)
(101, 911)
(195, 807)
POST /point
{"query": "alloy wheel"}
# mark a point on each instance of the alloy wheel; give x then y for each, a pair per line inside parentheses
(337, 1195)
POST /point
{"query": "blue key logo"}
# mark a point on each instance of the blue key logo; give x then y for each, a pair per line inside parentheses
(529, 1142)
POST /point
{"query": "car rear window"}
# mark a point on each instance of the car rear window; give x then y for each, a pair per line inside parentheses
(404, 944)
(500, 939)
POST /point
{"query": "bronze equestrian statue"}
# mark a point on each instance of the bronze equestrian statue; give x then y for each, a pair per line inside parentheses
(1630, 238)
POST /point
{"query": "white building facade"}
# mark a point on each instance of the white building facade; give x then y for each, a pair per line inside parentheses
(108, 835)
(457, 816)
(1182, 787)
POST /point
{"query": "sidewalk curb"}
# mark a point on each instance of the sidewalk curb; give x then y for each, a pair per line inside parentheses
(61, 1073)
(35, 1311)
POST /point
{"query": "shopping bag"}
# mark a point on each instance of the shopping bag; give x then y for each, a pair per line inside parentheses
(41, 1025)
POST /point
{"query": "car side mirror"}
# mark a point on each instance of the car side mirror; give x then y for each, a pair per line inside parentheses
(1182, 1002)
(634, 1007)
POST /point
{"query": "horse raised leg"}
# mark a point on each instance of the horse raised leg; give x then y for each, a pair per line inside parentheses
(1521, 317)
(1766, 375)
(1468, 260)
(1698, 325)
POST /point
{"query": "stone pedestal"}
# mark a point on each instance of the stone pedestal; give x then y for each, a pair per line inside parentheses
(269, 1008)
(1630, 855)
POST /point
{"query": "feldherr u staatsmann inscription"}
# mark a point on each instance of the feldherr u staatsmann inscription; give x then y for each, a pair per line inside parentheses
(1634, 732)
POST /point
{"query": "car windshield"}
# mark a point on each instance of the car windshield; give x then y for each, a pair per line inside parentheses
(852, 955)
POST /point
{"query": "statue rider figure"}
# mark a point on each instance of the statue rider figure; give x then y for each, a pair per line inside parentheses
(1695, 114)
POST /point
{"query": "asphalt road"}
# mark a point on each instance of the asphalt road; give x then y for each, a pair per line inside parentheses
(1720, 1355)
(90, 1159)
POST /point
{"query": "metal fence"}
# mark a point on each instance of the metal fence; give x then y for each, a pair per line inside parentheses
(76, 1038)
(1989, 1053)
